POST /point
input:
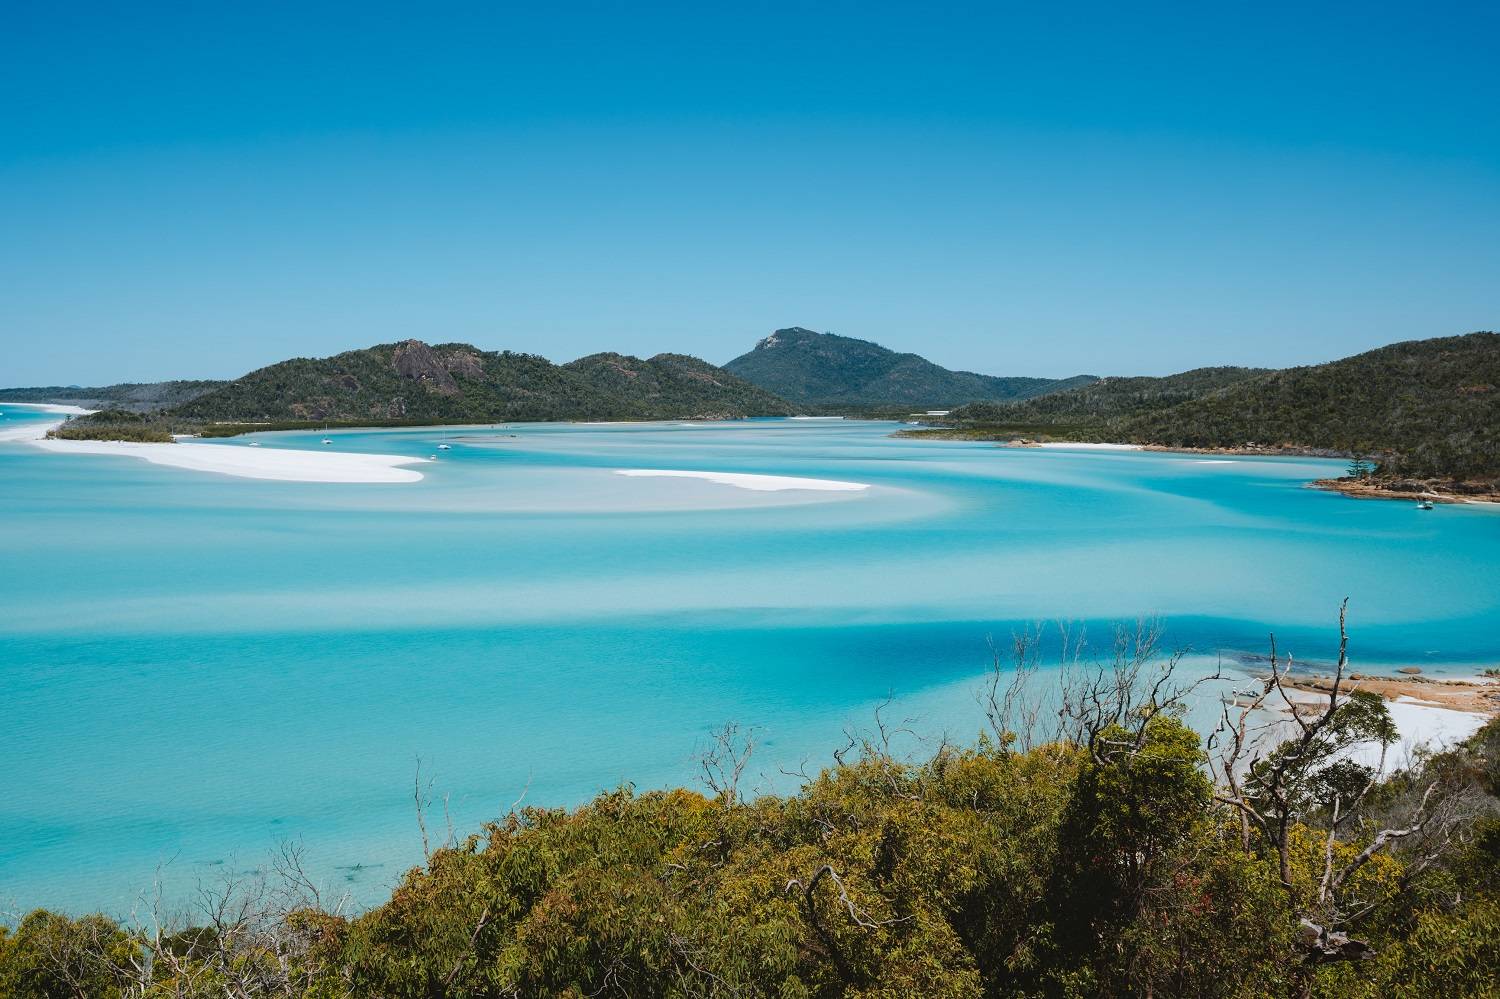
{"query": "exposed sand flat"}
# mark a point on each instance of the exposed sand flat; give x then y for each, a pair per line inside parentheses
(254, 463)
(36, 429)
(1479, 694)
(1439, 714)
(747, 480)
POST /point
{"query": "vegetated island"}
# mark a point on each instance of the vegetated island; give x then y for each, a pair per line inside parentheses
(1419, 419)
(1089, 844)
(414, 384)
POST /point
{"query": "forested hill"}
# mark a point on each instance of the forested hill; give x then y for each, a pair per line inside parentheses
(1110, 398)
(457, 383)
(825, 370)
(1423, 408)
(134, 397)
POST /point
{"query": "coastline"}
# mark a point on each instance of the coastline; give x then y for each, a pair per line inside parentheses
(32, 431)
(280, 464)
(1427, 711)
(1439, 713)
(1438, 491)
(1402, 490)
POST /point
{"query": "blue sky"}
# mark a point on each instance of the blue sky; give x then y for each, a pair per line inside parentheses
(196, 190)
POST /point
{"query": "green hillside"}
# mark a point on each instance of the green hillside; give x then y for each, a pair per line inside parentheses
(1109, 399)
(135, 397)
(673, 385)
(413, 382)
(1424, 408)
(824, 370)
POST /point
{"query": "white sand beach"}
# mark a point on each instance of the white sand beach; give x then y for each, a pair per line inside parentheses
(747, 480)
(37, 429)
(281, 464)
(1073, 446)
(1418, 724)
(254, 463)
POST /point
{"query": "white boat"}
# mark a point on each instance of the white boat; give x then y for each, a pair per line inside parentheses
(327, 440)
(1424, 505)
(444, 447)
(432, 457)
(255, 443)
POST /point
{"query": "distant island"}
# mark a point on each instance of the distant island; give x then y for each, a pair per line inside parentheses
(1416, 419)
(1420, 418)
(411, 383)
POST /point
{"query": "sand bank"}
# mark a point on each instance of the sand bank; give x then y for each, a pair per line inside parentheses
(33, 430)
(746, 480)
(1079, 446)
(254, 463)
(1435, 713)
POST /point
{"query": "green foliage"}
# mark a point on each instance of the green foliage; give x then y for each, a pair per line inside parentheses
(823, 371)
(50, 956)
(1428, 407)
(1099, 869)
(1097, 408)
(135, 397)
(115, 425)
(1454, 954)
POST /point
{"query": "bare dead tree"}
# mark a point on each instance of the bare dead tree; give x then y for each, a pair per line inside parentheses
(722, 761)
(1274, 787)
(1105, 705)
(1012, 704)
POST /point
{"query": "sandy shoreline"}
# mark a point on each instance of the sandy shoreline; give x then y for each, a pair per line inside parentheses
(747, 480)
(31, 431)
(1435, 713)
(1480, 695)
(1374, 490)
(281, 464)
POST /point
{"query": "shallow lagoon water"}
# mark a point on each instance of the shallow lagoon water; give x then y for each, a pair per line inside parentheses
(196, 667)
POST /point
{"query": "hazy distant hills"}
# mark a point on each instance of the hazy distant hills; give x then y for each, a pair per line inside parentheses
(458, 383)
(1425, 407)
(822, 370)
(135, 397)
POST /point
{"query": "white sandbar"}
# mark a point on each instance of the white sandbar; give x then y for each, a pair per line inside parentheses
(283, 464)
(746, 480)
(1074, 446)
(37, 429)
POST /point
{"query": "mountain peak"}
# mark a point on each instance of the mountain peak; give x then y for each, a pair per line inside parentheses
(829, 370)
(789, 336)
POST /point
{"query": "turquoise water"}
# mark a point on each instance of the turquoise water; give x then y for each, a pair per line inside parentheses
(196, 667)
